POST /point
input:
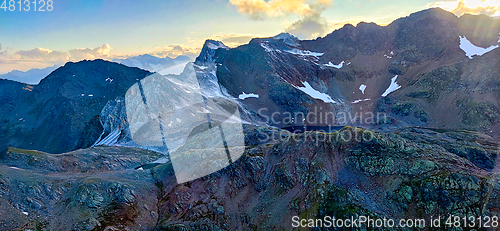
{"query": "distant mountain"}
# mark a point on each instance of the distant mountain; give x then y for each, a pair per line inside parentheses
(61, 113)
(32, 76)
(155, 64)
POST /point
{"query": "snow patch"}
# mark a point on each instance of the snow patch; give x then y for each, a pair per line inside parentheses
(288, 39)
(393, 87)
(140, 169)
(15, 168)
(304, 53)
(471, 49)
(219, 44)
(25, 213)
(200, 67)
(109, 140)
(91, 95)
(266, 47)
(330, 64)
(362, 88)
(360, 100)
(245, 96)
(387, 56)
(109, 79)
(315, 94)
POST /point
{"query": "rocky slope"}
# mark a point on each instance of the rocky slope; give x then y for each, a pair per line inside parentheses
(412, 173)
(424, 58)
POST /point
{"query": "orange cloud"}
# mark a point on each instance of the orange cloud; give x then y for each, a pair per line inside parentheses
(87, 53)
(273, 8)
(234, 39)
(42, 55)
(174, 51)
(461, 7)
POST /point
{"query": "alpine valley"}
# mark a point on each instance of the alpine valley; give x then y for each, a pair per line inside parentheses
(68, 162)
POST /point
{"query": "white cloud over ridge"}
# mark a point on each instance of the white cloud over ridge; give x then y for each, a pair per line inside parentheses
(174, 51)
(461, 7)
(310, 24)
(87, 53)
(274, 8)
(39, 57)
(48, 56)
(309, 27)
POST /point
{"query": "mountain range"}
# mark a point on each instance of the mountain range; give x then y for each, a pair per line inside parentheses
(434, 76)
(151, 63)
(32, 76)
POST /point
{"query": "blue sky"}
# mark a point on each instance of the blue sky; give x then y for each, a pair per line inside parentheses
(75, 30)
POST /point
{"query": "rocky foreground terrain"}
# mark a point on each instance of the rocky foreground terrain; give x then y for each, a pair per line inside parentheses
(414, 172)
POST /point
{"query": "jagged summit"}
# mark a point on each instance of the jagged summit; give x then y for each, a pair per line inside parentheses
(209, 49)
(288, 39)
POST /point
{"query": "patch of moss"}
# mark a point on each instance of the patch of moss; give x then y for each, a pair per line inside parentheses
(27, 152)
(421, 115)
(419, 94)
(481, 114)
(441, 80)
(403, 108)
(338, 203)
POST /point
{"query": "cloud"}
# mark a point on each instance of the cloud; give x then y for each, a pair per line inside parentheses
(42, 55)
(461, 7)
(87, 53)
(309, 27)
(174, 51)
(234, 39)
(2, 53)
(310, 24)
(258, 9)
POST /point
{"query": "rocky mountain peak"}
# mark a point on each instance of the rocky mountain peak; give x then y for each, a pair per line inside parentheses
(209, 49)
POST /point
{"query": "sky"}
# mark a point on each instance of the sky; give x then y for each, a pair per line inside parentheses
(89, 29)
